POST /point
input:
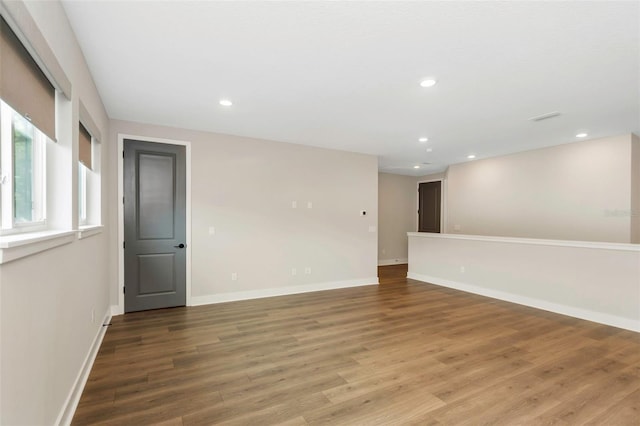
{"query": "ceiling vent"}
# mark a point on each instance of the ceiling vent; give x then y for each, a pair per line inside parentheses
(545, 116)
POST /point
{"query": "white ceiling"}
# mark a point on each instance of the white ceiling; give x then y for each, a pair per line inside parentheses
(345, 75)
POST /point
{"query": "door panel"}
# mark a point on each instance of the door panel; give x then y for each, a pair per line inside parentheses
(429, 206)
(156, 196)
(154, 225)
(156, 273)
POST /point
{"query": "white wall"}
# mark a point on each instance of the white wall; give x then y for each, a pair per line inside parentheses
(635, 189)
(432, 177)
(47, 298)
(244, 188)
(597, 281)
(577, 191)
(397, 213)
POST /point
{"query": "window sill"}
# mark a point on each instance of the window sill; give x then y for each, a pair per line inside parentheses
(13, 247)
(87, 231)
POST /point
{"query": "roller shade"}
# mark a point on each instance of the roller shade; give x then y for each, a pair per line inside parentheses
(84, 147)
(23, 85)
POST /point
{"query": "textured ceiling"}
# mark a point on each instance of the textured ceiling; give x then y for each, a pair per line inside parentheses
(345, 75)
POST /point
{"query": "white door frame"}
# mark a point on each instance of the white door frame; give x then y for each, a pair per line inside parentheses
(443, 203)
(121, 137)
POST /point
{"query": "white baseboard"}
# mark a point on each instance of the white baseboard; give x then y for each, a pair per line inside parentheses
(572, 311)
(279, 291)
(387, 262)
(71, 403)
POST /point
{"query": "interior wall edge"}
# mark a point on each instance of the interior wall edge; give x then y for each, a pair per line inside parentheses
(585, 314)
(279, 291)
(71, 403)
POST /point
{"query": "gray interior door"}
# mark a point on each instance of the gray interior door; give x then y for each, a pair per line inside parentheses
(154, 225)
(429, 206)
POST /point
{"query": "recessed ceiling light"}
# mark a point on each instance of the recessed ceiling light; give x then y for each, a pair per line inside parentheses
(582, 135)
(423, 140)
(416, 167)
(429, 149)
(225, 102)
(428, 82)
(471, 156)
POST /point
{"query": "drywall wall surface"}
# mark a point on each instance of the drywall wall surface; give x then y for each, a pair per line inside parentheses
(596, 281)
(53, 306)
(431, 177)
(578, 191)
(397, 215)
(635, 189)
(281, 217)
(53, 302)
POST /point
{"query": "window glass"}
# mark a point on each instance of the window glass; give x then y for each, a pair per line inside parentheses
(22, 136)
(22, 148)
(82, 194)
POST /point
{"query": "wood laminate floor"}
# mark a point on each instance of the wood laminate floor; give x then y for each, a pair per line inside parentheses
(402, 353)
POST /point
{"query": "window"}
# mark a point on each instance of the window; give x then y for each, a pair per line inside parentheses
(89, 214)
(84, 167)
(22, 173)
(27, 123)
(82, 194)
(36, 211)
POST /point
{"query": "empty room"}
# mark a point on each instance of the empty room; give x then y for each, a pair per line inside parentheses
(319, 212)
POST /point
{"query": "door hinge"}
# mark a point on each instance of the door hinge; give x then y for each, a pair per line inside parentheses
(122, 154)
(124, 289)
(123, 244)
(122, 200)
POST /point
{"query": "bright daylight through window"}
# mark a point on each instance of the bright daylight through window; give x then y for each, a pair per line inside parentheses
(22, 173)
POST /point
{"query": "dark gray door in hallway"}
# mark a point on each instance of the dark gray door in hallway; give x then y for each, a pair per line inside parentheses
(429, 206)
(154, 225)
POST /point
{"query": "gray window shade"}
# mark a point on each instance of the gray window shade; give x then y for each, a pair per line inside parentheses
(84, 147)
(23, 85)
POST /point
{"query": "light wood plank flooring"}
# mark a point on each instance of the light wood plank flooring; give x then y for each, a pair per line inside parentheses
(402, 353)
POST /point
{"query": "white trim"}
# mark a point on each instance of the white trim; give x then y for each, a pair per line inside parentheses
(16, 246)
(115, 310)
(280, 291)
(89, 230)
(71, 403)
(585, 314)
(188, 222)
(120, 283)
(387, 262)
(443, 202)
(87, 121)
(187, 145)
(532, 241)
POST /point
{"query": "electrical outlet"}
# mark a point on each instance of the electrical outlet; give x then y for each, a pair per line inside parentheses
(212, 230)
(234, 276)
(309, 205)
(294, 204)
